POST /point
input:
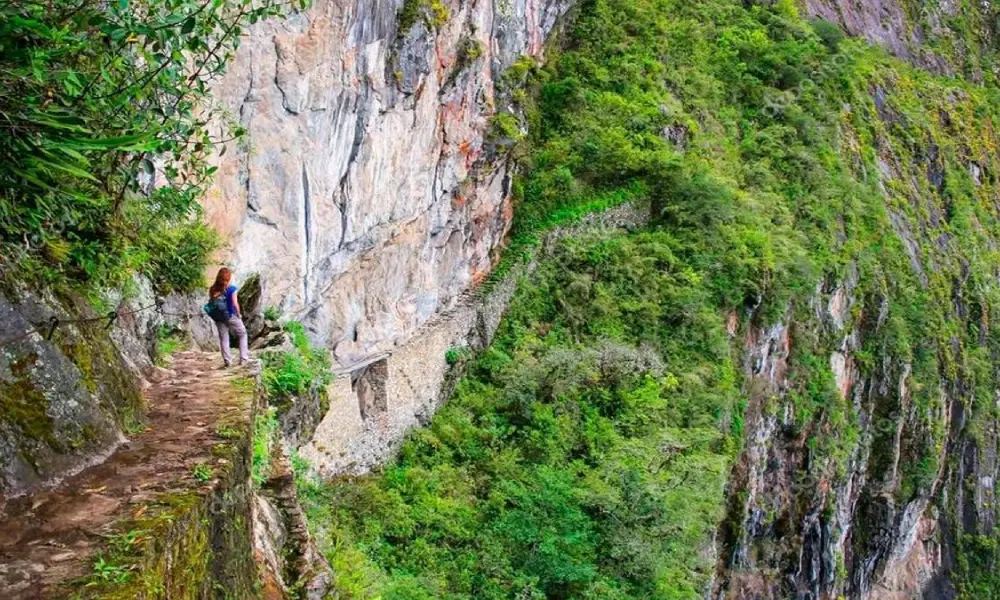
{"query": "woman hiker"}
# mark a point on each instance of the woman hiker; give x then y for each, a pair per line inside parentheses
(231, 319)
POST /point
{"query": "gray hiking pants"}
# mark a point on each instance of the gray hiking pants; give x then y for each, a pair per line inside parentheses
(234, 325)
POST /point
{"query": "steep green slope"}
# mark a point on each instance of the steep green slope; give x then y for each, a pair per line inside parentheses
(585, 453)
(581, 457)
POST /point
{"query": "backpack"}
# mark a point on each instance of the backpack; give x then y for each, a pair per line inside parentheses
(218, 309)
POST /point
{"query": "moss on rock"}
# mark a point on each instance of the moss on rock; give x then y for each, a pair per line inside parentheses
(185, 544)
(23, 405)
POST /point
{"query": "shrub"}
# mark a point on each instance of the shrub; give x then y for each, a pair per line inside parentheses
(168, 341)
(455, 355)
(286, 374)
(978, 559)
(176, 255)
(290, 374)
(505, 129)
(265, 428)
(830, 33)
(469, 51)
(433, 13)
(202, 473)
(272, 313)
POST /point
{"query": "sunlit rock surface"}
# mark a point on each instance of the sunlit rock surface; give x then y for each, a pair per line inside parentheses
(365, 193)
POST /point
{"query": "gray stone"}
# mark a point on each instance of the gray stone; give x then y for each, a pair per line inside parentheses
(64, 397)
(375, 402)
(903, 31)
(363, 195)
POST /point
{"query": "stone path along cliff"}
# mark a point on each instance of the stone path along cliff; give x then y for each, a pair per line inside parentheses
(50, 540)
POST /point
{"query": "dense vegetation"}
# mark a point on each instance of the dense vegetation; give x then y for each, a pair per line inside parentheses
(106, 127)
(574, 462)
(293, 373)
(584, 454)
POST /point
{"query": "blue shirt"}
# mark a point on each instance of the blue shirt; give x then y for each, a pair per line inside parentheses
(229, 300)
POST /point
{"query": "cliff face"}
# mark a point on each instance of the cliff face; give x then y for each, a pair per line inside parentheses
(369, 198)
(946, 38)
(67, 390)
(897, 518)
(366, 193)
(904, 507)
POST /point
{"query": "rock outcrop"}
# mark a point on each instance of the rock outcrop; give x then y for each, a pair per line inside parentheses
(803, 526)
(918, 32)
(890, 492)
(68, 386)
(366, 194)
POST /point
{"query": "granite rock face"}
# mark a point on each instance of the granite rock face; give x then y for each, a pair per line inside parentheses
(918, 32)
(881, 515)
(365, 193)
(799, 528)
(66, 391)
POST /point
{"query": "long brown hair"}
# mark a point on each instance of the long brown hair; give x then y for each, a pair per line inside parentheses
(221, 282)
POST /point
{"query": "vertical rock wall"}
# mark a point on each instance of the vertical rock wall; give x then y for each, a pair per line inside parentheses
(868, 466)
(66, 391)
(365, 193)
(803, 526)
(877, 513)
(923, 33)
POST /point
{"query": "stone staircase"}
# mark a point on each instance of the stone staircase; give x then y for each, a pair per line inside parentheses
(165, 516)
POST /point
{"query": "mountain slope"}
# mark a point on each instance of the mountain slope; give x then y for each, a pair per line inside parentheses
(819, 284)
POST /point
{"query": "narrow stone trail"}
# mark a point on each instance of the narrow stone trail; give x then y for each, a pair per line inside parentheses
(52, 538)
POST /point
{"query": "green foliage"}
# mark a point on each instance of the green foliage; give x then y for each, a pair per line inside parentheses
(227, 432)
(272, 313)
(124, 542)
(829, 33)
(585, 453)
(202, 473)
(583, 458)
(134, 428)
(174, 256)
(265, 429)
(166, 549)
(505, 129)
(456, 355)
(977, 572)
(760, 141)
(97, 100)
(469, 51)
(286, 375)
(289, 374)
(432, 12)
(168, 341)
(110, 573)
